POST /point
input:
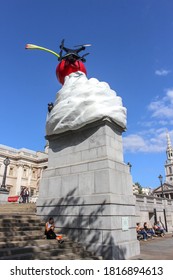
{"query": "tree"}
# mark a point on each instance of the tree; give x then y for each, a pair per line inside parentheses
(139, 186)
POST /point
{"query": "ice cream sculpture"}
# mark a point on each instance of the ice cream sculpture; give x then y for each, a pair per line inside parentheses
(80, 101)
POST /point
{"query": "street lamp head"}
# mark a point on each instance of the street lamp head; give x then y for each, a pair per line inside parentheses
(160, 178)
(6, 161)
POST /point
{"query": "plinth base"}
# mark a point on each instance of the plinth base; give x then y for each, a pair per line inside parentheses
(88, 190)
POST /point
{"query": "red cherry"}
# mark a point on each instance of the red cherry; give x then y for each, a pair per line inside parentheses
(65, 68)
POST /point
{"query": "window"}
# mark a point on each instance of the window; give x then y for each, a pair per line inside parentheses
(24, 172)
(170, 170)
(11, 171)
(34, 173)
(8, 188)
(31, 191)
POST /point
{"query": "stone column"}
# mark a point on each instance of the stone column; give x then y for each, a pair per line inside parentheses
(87, 188)
(29, 175)
(19, 178)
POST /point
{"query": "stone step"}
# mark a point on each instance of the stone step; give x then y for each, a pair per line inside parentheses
(17, 208)
(24, 223)
(22, 237)
(17, 220)
(43, 249)
(30, 248)
(7, 252)
(29, 232)
(13, 212)
(46, 256)
(9, 239)
(19, 216)
(14, 229)
(44, 252)
(25, 236)
(9, 206)
(25, 256)
(14, 209)
(14, 204)
(38, 242)
(67, 256)
(22, 243)
(54, 255)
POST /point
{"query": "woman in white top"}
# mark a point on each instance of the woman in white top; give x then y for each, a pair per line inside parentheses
(49, 231)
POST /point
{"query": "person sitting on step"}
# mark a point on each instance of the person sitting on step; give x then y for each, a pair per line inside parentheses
(150, 231)
(49, 231)
(140, 230)
(159, 230)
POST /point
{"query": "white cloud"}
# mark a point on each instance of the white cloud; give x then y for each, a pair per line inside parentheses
(163, 108)
(152, 141)
(152, 138)
(162, 72)
(134, 143)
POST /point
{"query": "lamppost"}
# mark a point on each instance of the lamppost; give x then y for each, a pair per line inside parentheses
(161, 178)
(164, 212)
(6, 163)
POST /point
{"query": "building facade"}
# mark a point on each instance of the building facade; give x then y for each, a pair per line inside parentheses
(166, 188)
(25, 169)
(151, 209)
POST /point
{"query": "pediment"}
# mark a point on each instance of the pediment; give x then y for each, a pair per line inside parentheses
(166, 187)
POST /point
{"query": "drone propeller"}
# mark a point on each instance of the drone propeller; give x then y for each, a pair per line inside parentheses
(82, 57)
(61, 49)
(85, 45)
(62, 44)
(85, 55)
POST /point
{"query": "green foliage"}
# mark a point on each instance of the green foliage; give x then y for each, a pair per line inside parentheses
(139, 186)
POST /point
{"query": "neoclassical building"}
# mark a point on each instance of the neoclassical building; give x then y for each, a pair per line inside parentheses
(24, 170)
(166, 188)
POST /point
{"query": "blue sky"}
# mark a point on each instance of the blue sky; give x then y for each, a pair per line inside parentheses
(132, 50)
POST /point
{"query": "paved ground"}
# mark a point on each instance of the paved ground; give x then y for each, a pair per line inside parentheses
(156, 249)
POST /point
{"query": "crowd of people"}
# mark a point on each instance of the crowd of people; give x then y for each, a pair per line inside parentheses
(144, 232)
(24, 196)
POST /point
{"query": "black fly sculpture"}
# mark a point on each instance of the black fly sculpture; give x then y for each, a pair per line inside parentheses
(50, 107)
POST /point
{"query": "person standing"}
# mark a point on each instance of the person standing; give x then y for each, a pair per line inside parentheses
(22, 195)
(27, 195)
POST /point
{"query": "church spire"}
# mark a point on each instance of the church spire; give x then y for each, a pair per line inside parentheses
(169, 150)
(169, 161)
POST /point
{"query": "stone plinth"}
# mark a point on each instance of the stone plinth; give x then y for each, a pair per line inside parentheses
(87, 188)
(3, 195)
